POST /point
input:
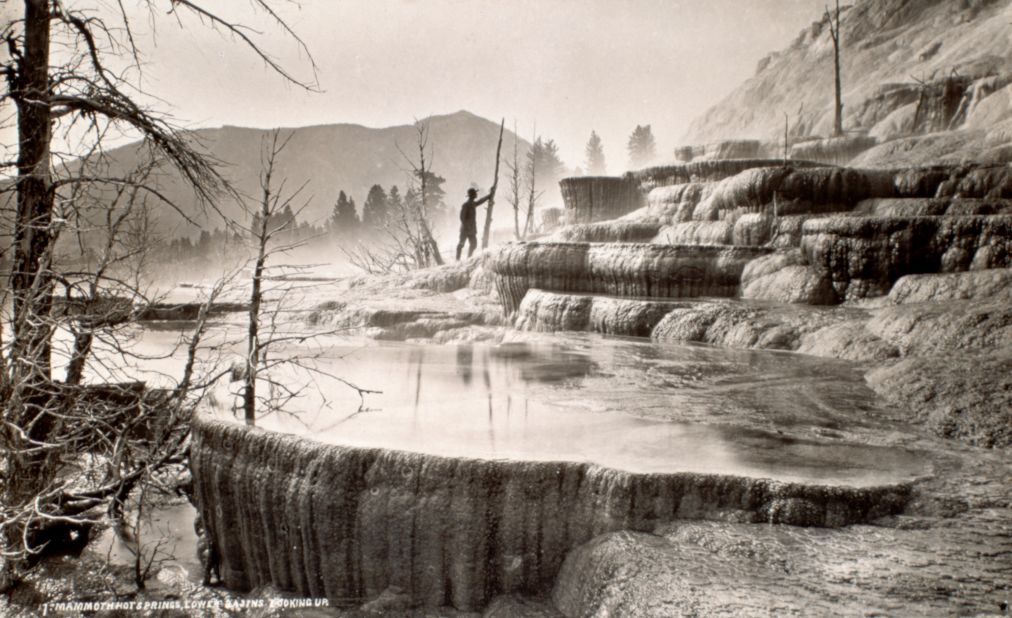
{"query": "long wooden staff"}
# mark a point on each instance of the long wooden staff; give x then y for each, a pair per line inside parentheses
(491, 193)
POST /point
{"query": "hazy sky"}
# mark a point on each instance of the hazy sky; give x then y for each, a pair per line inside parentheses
(568, 65)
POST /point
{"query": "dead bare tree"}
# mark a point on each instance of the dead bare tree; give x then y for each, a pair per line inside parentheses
(269, 322)
(105, 291)
(406, 241)
(48, 490)
(401, 246)
(491, 194)
(425, 243)
(391, 254)
(786, 139)
(272, 203)
(146, 557)
(533, 195)
(834, 33)
(515, 182)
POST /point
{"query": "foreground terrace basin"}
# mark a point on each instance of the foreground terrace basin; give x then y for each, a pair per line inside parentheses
(480, 467)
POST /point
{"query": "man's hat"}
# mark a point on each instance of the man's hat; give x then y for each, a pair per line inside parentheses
(472, 191)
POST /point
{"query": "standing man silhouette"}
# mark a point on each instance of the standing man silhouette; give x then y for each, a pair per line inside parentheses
(469, 222)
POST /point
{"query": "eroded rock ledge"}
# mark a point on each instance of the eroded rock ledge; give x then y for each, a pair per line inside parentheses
(864, 256)
(348, 523)
(629, 269)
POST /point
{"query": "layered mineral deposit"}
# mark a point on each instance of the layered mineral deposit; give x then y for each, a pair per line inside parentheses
(350, 523)
(864, 256)
(645, 270)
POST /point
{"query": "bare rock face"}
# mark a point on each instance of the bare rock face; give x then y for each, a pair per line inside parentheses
(840, 333)
(792, 284)
(513, 606)
(644, 270)
(794, 191)
(675, 203)
(965, 397)
(414, 306)
(446, 278)
(848, 340)
(786, 278)
(913, 182)
(351, 523)
(762, 229)
(599, 198)
(775, 192)
(864, 256)
(186, 311)
(697, 233)
(589, 199)
(985, 181)
(739, 325)
(724, 569)
(995, 283)
(920, 207)
(947, 147)
(384, 321)
(889, 40)
(833, 150)
(704, 171)
(610, 231)
(724, 149)
(552, 312)
(958, 182)
(753, 229)
(926, 329)
(945, 328)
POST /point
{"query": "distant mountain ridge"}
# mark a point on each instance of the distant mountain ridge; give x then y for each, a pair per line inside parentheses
(891, 49)
(331, 158)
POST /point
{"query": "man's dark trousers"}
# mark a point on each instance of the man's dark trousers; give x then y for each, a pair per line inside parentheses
(470, 237)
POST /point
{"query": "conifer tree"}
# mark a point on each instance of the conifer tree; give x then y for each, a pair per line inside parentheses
(595, 156)
(376, 210)
(394, 201)
(642, 148)
(344, 218)
(545, 155)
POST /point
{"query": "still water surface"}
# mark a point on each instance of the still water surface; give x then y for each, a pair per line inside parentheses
(618, 403)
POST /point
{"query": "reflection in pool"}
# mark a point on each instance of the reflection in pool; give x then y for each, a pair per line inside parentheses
(617, 403)
(620, 403)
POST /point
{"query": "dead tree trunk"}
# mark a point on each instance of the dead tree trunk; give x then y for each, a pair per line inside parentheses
(31, 282)
(491, 193)
(834, 32)
(515, 198)
(786, 142)
(431, 247)
(532, 195)
(263, 233)
(28, 389)
(249, 393)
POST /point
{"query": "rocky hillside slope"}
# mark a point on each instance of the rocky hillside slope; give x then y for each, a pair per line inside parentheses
(909, 67)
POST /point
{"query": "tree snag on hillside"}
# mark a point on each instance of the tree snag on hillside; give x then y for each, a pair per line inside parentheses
(834, 32)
